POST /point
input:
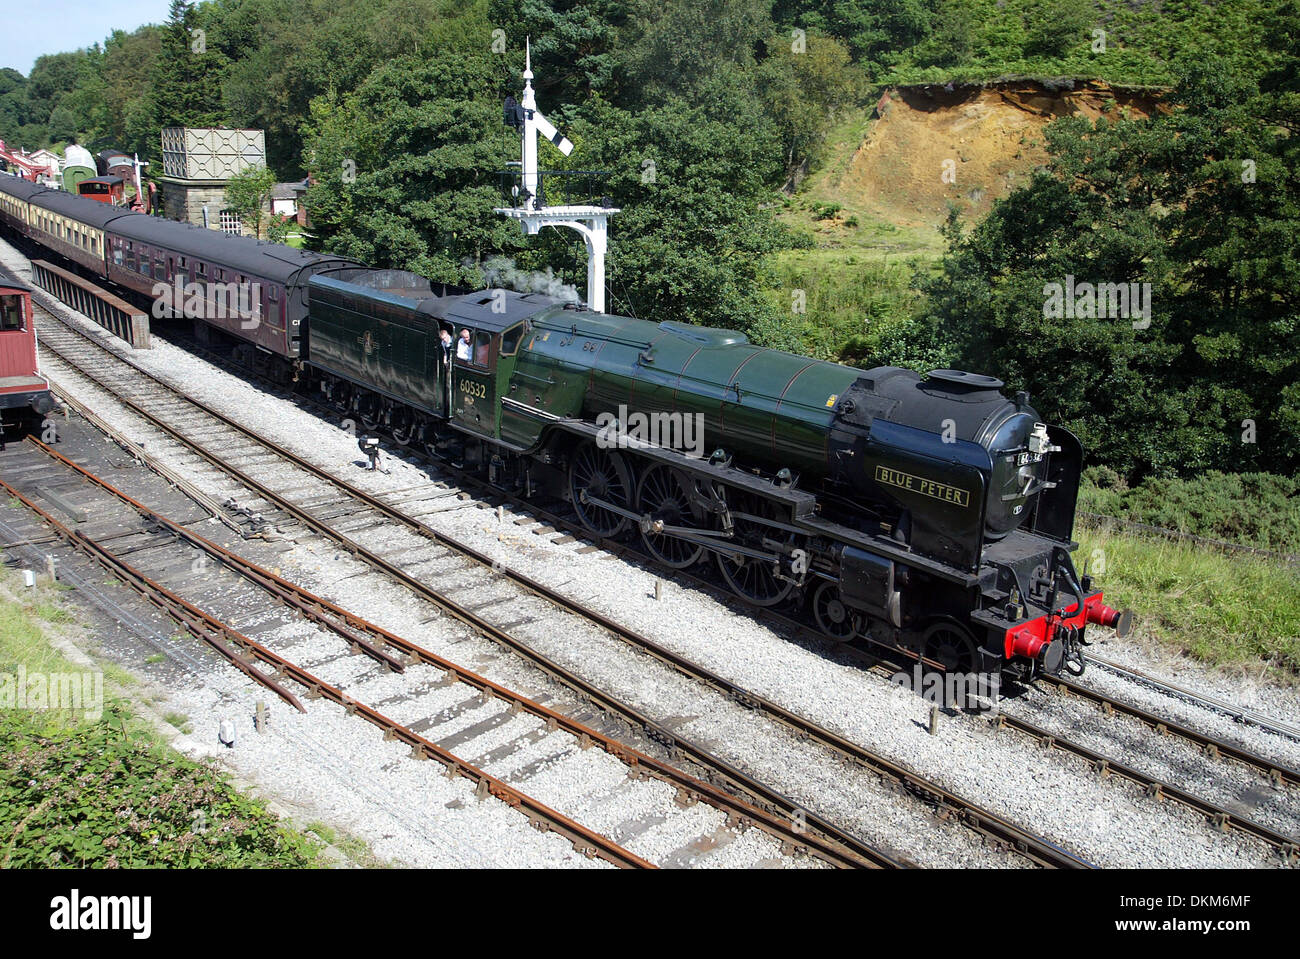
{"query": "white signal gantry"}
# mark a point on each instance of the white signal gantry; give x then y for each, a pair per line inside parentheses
(591, 222)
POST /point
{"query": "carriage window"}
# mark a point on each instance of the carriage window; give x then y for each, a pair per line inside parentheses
(510, 340)
(11, 313)
(159, 268)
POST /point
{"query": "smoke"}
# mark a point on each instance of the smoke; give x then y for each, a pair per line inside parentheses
(500, 271)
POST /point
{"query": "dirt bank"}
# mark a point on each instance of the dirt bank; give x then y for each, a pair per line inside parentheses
(933, 145)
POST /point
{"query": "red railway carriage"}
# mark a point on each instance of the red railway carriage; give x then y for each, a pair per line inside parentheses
(21, 386)
(105, 189)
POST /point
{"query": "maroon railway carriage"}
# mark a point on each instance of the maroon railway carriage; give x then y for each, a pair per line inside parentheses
(22, 388)
(253, 290)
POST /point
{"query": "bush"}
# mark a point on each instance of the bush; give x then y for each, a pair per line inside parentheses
(92, 796)
(1254, 509)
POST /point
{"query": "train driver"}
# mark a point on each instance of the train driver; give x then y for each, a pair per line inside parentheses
(463, 351)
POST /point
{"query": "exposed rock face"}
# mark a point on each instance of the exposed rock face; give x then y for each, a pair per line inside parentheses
(935, 145)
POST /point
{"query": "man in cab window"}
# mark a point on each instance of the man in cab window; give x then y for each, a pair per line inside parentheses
(463, 350)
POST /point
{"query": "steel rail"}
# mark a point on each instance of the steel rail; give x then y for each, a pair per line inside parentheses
(1278, 773)
(1036, 848)
(1220, 706)
(344, 622)
(1104, 767)
(207, 627)
(719, 770)
(194, 620)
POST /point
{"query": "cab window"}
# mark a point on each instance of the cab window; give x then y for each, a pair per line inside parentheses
(463, 348)
(11, 313)
(482, 348)
(510, 340)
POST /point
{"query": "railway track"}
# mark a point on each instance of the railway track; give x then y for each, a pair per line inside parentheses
(164, 412)
(1104, 765)
(473, 710)
(1233, 711)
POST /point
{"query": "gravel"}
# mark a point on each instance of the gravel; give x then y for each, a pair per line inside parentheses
(1107, 822)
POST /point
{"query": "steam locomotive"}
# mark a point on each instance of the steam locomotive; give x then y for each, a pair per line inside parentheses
(931, 513)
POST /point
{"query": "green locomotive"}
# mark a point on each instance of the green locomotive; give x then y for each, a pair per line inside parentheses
(931, 513)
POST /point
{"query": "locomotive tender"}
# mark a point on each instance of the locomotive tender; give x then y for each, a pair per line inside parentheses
(929, 513)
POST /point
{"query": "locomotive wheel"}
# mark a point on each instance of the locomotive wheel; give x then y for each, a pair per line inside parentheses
(369, 410)
(342, 397)
(834, 618)
(950, 645)
(603, 474)
(753, 580)
(664, 495)
(403, 426)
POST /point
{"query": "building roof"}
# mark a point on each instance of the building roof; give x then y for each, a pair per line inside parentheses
(9, 280)
(287, 191)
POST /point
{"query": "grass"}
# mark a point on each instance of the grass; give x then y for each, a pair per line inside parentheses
(357, 850)
(1229, 611)
(78, 791)
(853, 268)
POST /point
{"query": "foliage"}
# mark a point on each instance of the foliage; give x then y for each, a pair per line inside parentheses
(803, 90)
(92, 796)
(680, 47)
(856, 309)
(691, 236)
(248, 194)
(101, 793)
(1254, 509)
(407, 166)
(1225, 610)
(1212, 383)
(186, 76)
(279, 227)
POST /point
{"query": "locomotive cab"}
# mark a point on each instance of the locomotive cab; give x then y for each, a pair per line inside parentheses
(496, 323)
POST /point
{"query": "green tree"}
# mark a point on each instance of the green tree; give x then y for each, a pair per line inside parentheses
(1202, 203)
(577, 44)
(248, 194)
(682, 46)
(1053, 26)
(802, 90)
(406, 167)
(692, 235)
(186, 78)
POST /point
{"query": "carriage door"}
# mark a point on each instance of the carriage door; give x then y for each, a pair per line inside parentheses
(473, 396)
